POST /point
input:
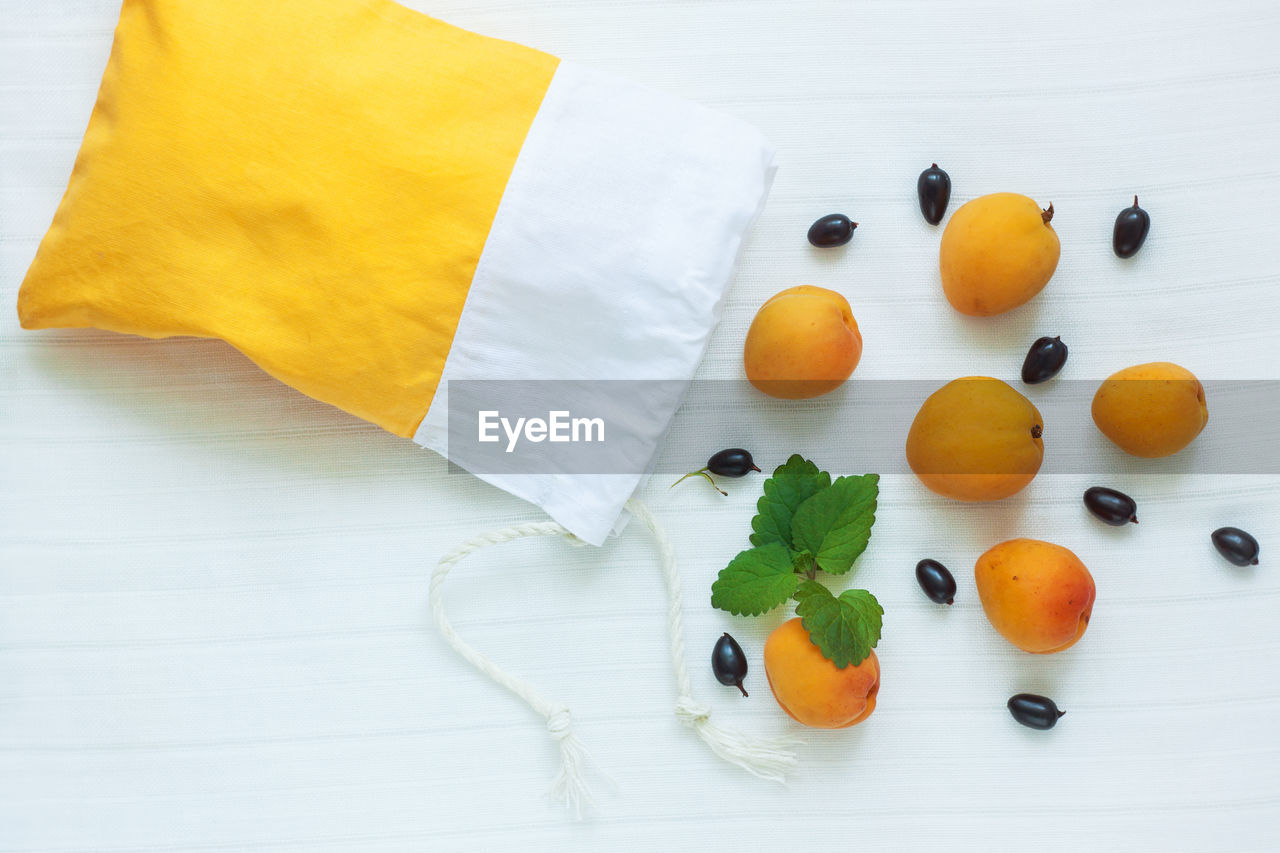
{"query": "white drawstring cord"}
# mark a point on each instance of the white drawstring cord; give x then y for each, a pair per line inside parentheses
(769, 758)
(569, 785)
(766, 758)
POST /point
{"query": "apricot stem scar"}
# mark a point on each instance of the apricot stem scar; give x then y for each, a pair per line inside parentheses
(1047, 214)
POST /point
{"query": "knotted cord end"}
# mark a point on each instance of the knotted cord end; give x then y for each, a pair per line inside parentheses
(570, 786)
(768, 758)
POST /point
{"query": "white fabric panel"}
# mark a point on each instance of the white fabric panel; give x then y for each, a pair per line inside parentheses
(608, 259)
(213, 627)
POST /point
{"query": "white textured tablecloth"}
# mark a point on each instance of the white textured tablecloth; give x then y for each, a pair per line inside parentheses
(213, 632)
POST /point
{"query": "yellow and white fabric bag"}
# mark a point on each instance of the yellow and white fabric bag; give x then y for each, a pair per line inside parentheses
(370, 204)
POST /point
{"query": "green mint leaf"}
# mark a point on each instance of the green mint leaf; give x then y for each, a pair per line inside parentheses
(802, 562)
(844, 629)
(835, 524)
(755, 581)
(792, 484)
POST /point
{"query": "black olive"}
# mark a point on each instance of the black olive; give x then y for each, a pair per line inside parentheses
(1115, 508)
(1036, 712)
(1045, 358)
(1132, 225)
(734, 462)
(936, 581)
(934, 188)
(729, 663)
(1236, 545)
(830, 231)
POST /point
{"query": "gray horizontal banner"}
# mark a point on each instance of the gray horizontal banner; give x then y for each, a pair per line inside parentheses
(613, 426)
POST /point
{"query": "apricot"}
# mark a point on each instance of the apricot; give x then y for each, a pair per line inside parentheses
(976, 439)
(802, 343)
(1038, 595)
(1151, 410)
(812, 689)
(998, 251)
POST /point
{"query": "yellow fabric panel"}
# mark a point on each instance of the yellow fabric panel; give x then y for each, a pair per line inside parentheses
(310, 180)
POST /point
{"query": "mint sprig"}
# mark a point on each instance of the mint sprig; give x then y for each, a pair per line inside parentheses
(806, 523)
(791, 485)
(835, 524)
(755, 581)
(847, 628)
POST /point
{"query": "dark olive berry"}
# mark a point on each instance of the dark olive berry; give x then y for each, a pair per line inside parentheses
(934, 188)
(830, 231)
(1236, 545)
(1036, 712)
(1115, 508)
(729, 663)
(734, 462)
(1045, 358)
(1132, 225)
(936, 581)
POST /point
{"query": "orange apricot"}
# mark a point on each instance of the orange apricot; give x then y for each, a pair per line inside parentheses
(976, 439)
(1037, 595)
(812, 689)
(802, 343)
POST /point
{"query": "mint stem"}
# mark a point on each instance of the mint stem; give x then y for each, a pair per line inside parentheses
(702, 473)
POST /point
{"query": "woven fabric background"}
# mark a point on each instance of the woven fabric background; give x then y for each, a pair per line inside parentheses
(213, 632)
